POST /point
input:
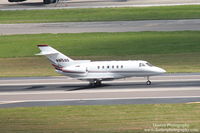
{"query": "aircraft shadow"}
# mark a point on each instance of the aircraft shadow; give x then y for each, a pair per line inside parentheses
(34, 87)
(86, 87)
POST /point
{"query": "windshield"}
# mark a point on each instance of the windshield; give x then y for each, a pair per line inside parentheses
(148, 64)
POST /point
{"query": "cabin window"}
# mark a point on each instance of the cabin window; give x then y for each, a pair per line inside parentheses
(98, 67)
(117, 66)
(121, 66)
(102, 67)
(108, 67)
(113, 67)
(141, 65)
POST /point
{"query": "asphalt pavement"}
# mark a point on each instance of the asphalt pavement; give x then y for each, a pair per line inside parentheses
(48, 91)
(109, 26)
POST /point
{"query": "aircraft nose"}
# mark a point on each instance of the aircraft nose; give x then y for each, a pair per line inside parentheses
(160, 70)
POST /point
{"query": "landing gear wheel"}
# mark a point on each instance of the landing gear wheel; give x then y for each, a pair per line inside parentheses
(46, 1)
(49, 1)
(98, 83)
(148, 82)
(95, 83)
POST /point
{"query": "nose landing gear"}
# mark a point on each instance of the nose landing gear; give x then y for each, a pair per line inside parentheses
(148, 81)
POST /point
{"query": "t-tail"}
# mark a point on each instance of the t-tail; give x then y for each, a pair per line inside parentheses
(57, 59)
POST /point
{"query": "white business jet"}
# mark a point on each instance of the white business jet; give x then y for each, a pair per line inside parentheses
(97, 71)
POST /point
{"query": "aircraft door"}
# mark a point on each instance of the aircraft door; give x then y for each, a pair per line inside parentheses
(86, 69)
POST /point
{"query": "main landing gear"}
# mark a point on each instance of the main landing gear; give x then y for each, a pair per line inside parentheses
(49, 1)
(148, 81)
(95, 83)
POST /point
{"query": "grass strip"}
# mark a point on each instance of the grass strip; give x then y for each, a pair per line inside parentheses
(103, 44)
(174, 51)
(100, 118)
(101, 14)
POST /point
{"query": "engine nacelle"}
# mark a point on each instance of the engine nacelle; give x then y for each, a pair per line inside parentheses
(75, 69)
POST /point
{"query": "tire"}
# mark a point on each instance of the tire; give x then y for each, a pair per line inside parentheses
(54, 1)
(148, 82)
(49, 1)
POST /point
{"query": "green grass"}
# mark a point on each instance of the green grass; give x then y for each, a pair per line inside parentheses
(174, 51)
(101, 14)
(103, 44)
(98, 118)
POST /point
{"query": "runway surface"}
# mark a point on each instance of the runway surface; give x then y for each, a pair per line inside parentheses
(37, 4)
(110, 26)
(48, 91)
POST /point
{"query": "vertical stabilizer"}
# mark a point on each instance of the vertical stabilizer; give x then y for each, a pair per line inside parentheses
(57, 59)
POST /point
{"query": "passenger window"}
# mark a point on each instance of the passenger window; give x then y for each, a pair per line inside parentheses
(98, 67)
(117, 66)
(121, 66)
(113, 67)
(102, 67)
(107, 66)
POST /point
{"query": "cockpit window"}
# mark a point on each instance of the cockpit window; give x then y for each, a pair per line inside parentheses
(148, 64)
(141, 65)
